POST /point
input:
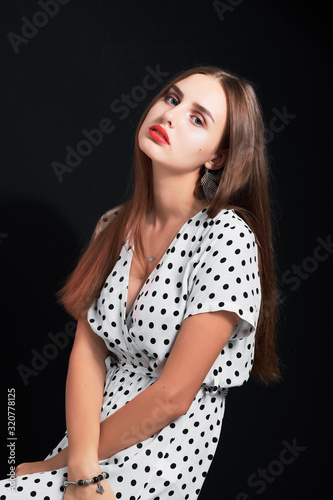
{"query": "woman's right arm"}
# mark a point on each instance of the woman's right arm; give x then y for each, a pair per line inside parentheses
(84, 393)
(84, 396)
(85, 340)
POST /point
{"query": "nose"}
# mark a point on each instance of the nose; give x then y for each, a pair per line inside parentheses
(168, 117)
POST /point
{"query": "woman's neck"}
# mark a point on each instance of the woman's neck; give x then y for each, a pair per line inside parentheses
(174, 199)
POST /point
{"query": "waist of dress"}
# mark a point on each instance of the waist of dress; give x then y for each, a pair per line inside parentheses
(130, 367)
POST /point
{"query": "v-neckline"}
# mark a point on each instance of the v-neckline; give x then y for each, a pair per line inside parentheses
(155, 268)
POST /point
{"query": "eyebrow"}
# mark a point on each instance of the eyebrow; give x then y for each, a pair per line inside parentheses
(196, 104)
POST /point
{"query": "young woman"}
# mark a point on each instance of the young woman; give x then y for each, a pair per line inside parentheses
(175, 301)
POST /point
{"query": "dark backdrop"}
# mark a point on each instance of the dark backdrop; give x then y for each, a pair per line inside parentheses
(71, 67)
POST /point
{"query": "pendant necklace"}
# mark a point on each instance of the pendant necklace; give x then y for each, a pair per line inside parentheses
(150, 258)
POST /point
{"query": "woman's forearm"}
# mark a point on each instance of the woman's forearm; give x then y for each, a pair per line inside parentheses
(84, 394)
(155, 407)
(147, 413)
(172, 394)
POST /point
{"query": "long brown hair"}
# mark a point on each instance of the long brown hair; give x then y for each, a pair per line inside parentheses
(243, 186)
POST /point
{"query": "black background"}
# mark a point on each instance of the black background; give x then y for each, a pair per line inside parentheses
(64, 80)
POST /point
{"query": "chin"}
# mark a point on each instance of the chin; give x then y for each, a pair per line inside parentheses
(148, 147)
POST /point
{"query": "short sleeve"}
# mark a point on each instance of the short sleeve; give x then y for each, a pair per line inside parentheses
(226, 275)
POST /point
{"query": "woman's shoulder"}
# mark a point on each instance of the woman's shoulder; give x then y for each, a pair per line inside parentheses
(228, 229)
(105, 219)
(229, 219)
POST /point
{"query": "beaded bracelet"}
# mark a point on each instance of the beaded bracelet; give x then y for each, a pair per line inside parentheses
(85, 482)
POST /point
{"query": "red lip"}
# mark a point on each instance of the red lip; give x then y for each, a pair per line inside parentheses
(159, 134)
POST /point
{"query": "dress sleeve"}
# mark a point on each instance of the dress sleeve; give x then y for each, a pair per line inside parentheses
(226, 276)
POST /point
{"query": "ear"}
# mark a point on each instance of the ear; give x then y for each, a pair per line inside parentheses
(218, 161)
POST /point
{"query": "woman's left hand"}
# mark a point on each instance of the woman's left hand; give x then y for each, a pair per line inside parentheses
(31, 467)
(56, 462)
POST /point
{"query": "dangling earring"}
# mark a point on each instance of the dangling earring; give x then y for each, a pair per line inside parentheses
(210, 181)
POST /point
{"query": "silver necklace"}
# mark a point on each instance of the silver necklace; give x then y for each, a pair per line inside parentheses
(150, 257)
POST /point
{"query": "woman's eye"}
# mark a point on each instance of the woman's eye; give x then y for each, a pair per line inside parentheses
(172, 100)
(197, 121)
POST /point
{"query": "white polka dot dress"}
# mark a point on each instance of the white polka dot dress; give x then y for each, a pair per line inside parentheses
(212, 264)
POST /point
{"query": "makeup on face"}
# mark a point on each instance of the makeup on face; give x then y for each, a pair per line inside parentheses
(183, 129)
(174, 88)
(158, 133)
